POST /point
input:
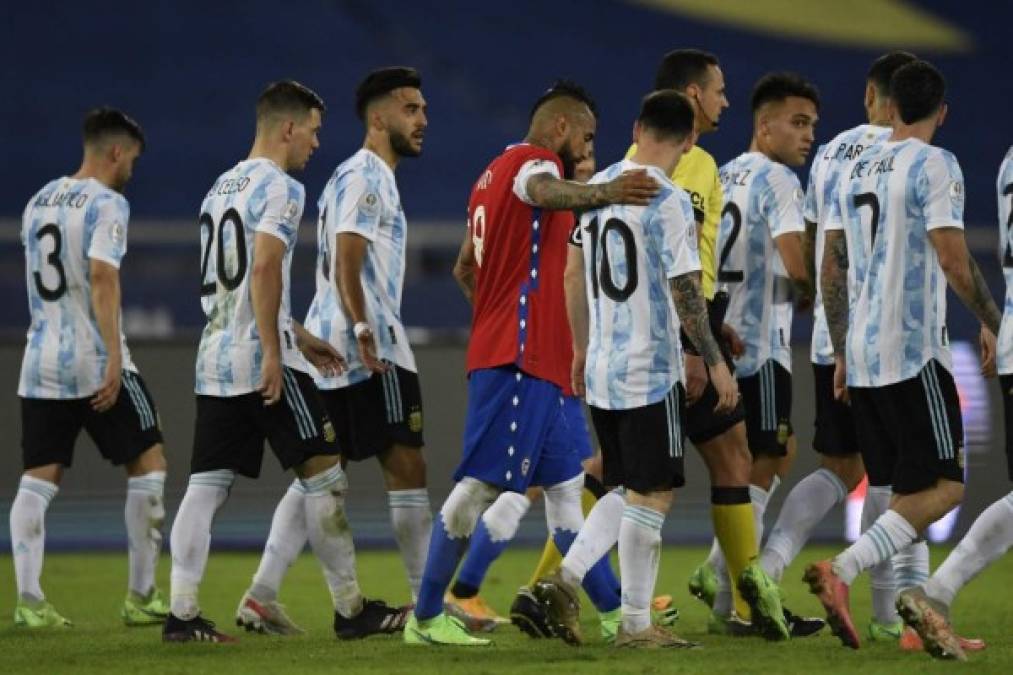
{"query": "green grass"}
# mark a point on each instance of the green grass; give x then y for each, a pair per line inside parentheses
(88, 589)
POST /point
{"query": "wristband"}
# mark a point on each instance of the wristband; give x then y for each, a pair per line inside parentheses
(360, 329)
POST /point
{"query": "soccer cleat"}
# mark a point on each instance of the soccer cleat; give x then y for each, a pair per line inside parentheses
(919, 612)
(885, 632)
(197, 629)
(910, 642)
(764, 598)
(265, 617)
(663, 612)
(732, 625)
(528, 615)
(833, 594)
(375, 618)
(475, 607)
(654, 637)
(562, 607)
(140, 611)
(703, 584)
(39, 615)
(609, 624)
(442, 629)
(803, 626)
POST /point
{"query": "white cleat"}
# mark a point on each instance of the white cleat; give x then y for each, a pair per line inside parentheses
(265, 617)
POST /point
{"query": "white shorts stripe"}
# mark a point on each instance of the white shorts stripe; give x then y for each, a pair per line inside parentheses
(387, 397)
(936, 395)
(144, 412)
(297, 404)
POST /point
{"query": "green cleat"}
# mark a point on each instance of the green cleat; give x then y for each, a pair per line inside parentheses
(703, 584)
(39, 615)
(140, 611)
(764, 598)
(729, 625)
(440, 630)
(610, 623)
(885, 632)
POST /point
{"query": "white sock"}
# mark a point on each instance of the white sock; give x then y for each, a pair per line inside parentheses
(284, 543)
(803, 509)
(596, 538)
(144, 513)
(990, 536)
(888, 534)
(190, 538)
(331, 538)
(639, 556)
(28, 534)
(882, 580)
(911, 565)
(412, 519)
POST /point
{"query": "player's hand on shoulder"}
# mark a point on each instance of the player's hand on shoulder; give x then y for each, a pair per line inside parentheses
(726, 387)
(107, 393)
(696, 378)
(635, 187)
(988, 343)
(270, 387)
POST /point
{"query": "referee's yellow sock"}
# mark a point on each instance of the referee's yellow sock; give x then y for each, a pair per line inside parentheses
(551, 558)
(732, 513)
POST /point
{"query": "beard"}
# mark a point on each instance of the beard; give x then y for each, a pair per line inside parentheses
(569, 162)
(402, 146)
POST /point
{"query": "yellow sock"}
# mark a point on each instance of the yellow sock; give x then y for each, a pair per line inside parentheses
(736, 533)
(551, 557)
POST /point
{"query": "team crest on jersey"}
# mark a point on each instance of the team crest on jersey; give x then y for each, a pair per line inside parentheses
(691, 239)
(369, 203)
(329, 434)
(291, 210)
(957, 192)
(525, 466)
(798, 195)
(782, 433)
(415, 421)
(118, 233)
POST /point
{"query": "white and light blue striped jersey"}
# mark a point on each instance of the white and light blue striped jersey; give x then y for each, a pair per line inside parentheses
(1005, 189)
(634, 355)
(887, 202)
(823, 176)
(361, 198)
(253, 196)
(67, 224)
(763, 201)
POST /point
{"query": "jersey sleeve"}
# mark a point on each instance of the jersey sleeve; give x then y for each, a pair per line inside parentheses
(282, 210)
(810, 210)
(679, 245)
(109, 238)
(833, 218)
(358, 206)
(529, 169)
(784, 202)
(940, 191)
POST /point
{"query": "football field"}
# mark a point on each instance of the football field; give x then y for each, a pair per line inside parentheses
(88, 589)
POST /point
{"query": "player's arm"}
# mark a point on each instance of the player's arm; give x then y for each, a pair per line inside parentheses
(466, 266)
(790, 247)
(351, 250)
(834, 289)
(320, 353)
(548, 191)
(265, 291)
(577, 313)
(105, 303)
(809, 252)
(964, 276)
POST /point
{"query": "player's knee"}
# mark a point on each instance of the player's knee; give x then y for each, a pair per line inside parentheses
(331, 480)
(404, 468)
(466, 502)
(659, 500)
(952, 493)
(848, 469)
(504, 516)
(51, 473)
(152, 459)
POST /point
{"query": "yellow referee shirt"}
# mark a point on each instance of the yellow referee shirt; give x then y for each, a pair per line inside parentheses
(697, 174)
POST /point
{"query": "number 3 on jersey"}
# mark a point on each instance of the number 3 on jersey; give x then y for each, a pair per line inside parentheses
(209, 235)
(604, 280)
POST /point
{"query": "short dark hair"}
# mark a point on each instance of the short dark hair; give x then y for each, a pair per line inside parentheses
(565, 89)
(288, 96)
(381, 82)
(102, 122)
(667, 113)
(779, 86)
(883, 68)
(917, 90)
(682, 67)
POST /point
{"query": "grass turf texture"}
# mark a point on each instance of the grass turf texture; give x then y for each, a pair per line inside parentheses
(88, 589)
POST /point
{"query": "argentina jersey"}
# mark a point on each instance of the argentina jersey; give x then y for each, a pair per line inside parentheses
(634, 356)
(65, 225)
(361, 198)
(763, 201)
(1005, 190)
(253, 196)
(887, 201)
(823, 177)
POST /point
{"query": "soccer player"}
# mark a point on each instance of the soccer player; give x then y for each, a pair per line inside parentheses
(896, 236)
(518, 356)
(927, 608)
(841, 467)
(253, 379)
(77, 372)
(760, 263)
(641, 280)
(376, 404)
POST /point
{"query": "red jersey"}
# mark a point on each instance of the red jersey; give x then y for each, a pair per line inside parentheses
(519, 312)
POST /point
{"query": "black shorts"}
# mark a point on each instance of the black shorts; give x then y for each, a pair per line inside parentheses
(371, 416)
(835, 425)
(231, 430)
(767, 397)
(1006, 383)
(642, 448)
(910, 432)
(702, 423)
(49, 427)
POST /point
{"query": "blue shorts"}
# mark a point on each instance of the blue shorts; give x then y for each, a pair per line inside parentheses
(580, 435)
(515, 431)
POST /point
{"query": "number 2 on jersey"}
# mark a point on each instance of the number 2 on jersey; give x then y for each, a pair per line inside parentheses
(734, 276)
(230, 282)
(1007, 256)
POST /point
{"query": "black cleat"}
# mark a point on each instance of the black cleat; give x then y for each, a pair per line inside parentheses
(528, 615)
(803, 626)
(375, 618)
(197, 629)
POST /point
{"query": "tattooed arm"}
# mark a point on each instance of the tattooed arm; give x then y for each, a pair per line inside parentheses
(964, 276)
(548, 192)
(834, 287)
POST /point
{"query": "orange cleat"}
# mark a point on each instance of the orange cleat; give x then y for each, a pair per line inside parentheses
(834, 595)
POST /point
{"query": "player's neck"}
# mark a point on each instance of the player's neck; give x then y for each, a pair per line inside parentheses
(263, 149)
(662, 158)
(382, 149)
(756, 146)
(923, 131)
(94, 169)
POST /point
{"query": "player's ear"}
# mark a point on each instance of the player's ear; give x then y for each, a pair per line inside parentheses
(870, 95)
(941, 115)
(115, 152)
(636, 132)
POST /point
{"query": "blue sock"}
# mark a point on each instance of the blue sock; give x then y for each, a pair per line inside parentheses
(482, 552)
(444, 554)
(600, 582)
